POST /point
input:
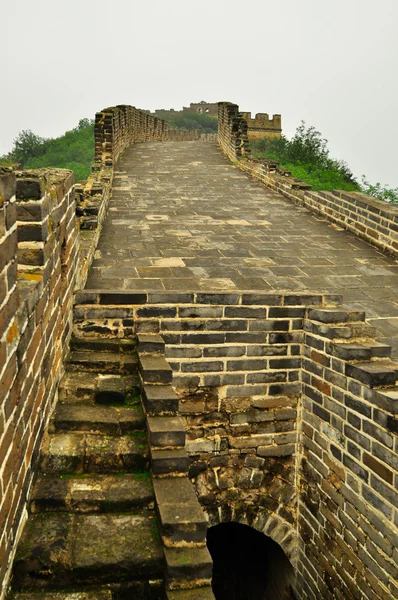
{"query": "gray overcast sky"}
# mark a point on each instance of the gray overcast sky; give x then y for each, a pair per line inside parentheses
(333, 64)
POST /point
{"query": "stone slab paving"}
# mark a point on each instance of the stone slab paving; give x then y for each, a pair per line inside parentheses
(183, 218)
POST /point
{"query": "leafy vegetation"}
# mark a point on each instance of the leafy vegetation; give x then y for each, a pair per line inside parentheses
(381, 192)
(204, 123)
(307, 157)
(74, 150)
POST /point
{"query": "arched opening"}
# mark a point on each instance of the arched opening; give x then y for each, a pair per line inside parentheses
(248, 565)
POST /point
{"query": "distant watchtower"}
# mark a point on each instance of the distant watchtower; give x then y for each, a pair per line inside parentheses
(205, 108)
(262, 126)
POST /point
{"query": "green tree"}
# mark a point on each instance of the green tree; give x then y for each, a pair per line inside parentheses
(27, 145)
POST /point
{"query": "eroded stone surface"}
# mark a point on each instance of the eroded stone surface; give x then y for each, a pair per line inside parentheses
(62, 549)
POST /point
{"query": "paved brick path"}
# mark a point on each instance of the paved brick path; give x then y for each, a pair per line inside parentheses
(183, 218)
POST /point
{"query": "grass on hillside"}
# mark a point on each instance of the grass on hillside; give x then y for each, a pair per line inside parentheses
(307, 157)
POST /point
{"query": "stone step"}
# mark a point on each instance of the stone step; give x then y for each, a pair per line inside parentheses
(155, 369)
(201, 593)
(101, 362)
(80, 387)
(335, 315)
(113, 420)
(166, 432)
(360, 352)
(188, 567)
(93, 595)
(59, 550)
(182, 521)
(169, 461)
(347, 331)
(375, 374)
(97, 344)
(92, 493)
(159, 399)
(93, 453)
(150, 343)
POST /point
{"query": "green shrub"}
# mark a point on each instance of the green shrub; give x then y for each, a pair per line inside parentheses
(307, 156)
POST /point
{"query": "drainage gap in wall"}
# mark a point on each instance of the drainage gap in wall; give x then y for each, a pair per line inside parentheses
(108, 398)
(248, 565)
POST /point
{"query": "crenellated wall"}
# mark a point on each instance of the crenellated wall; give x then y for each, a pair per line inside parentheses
(38, 266)
(262, 126)
(373, 220)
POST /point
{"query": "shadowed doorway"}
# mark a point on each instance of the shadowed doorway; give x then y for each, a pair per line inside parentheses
(248, 565)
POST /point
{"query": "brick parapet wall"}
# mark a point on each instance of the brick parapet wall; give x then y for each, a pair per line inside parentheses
(348, 513)
(232, 132)
(308, 454)
(119, 127)
(373, 220)
(38, 228)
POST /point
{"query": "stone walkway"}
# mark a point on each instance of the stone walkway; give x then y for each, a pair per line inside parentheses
(182, 217)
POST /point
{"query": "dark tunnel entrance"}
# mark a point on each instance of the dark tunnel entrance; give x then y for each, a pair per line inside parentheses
(248, 565)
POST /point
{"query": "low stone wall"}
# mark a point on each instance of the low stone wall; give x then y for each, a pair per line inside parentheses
(182, 135)
(372, 220)
(38, 265)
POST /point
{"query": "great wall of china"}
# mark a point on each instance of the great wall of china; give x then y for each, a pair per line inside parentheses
(185, 343)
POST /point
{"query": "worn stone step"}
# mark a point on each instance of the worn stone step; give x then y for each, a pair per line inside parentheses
(104, 362)
(188, 567)
(92, 493)
(155, 369)
(360, 352)
(94, 595)
(114, 420)
(66, 549)
(97, 344)
(335, 315)
(158, 399)
(166, 432)
(374, 374)
(169, 461)
(81, 387)
(94, 453)
(182, 521)
(151, 343)
(201, 593)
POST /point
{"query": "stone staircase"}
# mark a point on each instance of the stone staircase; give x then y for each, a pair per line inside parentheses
(92, 529)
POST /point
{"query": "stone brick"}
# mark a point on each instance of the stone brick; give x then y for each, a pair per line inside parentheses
(377, 433)
(378, 468)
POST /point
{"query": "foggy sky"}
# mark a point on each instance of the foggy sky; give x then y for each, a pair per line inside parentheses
(333, 64)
